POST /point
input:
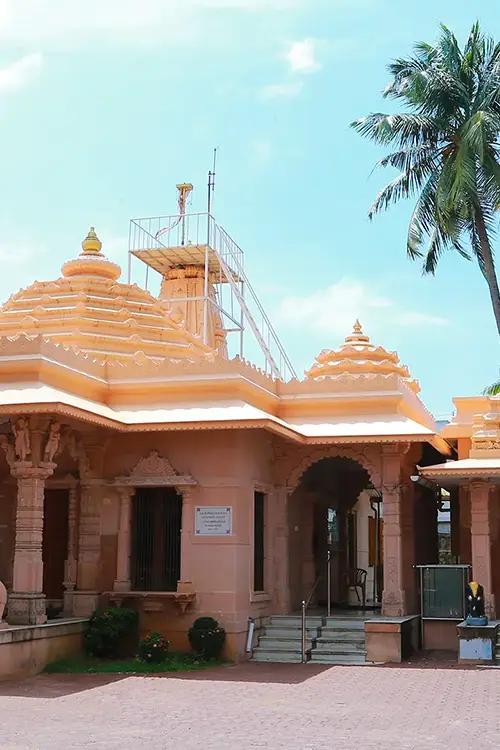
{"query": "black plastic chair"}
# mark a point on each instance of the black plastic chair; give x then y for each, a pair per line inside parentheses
(357, 581)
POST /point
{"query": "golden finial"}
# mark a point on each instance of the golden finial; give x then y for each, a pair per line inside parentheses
(92, 244)
(357, 336)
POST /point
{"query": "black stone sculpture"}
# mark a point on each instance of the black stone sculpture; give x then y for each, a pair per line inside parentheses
(474, 597)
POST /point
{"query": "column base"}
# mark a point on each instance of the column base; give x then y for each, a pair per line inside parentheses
(84, 603)
(68, 602)
(490, 606)
(394, 604)
(122, 586)
(26, 609)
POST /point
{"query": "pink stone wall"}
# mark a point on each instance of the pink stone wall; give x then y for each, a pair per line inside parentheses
(7, 523)
(228, 467)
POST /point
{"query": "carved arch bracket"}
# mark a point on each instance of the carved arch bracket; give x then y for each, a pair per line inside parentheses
(369, 463)
(154, 470)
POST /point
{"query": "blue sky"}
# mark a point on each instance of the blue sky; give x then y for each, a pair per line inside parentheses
(104, 106)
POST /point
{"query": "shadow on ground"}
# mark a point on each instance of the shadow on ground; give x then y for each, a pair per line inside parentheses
(58, 685)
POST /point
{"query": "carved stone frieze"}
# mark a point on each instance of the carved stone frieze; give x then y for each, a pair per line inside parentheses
(154, 470)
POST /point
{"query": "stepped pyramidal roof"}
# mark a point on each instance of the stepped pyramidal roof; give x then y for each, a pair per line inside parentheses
(90, 310)
(358, 357)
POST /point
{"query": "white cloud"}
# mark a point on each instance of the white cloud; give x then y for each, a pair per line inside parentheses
(132, 20)
(302, 56)
(419, 318)
(19, 73)
(12, 254)
(281, 90)
(334, 309)
(260, 152)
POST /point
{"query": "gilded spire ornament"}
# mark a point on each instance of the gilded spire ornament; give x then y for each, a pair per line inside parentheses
(91, 244)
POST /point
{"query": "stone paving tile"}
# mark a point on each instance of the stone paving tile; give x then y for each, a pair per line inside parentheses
(297, 707)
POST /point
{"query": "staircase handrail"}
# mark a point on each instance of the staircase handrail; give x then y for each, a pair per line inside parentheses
(305, 605)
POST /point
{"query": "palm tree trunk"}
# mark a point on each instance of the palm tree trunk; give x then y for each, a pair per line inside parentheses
(489, 267)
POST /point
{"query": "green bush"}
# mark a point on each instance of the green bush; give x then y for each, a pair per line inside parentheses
(153, 648)
(111, 632)
(207, 637)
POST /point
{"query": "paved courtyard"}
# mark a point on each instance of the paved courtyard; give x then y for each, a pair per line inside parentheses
(257, 706)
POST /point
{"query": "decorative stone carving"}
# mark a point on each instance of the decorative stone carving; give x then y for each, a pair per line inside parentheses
(22, 443)
(53, 441)
(8, 448)
(154, 465)
(154, 471)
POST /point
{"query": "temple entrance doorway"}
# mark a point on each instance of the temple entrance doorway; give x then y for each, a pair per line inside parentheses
(55, 544)
(156, 539)
(331, 513)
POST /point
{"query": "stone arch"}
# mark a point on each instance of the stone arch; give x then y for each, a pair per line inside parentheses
(367, 462)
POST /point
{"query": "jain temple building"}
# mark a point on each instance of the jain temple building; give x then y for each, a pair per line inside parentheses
(146, 462)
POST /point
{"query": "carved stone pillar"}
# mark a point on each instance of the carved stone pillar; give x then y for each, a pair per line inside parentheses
(187, 535)
(122, 581)
(309, 554)
(71, 562)
(281, 592)
(393, 598)
(481, 538)
(27, 601)
(89, 551)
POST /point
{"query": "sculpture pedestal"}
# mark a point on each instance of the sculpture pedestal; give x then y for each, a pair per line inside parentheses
(27, 609)
(476, 643)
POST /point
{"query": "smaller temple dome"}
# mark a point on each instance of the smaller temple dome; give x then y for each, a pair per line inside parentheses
(359, 357)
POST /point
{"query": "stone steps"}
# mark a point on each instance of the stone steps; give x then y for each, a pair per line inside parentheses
(270, 643)
(278, 657)
(333, 659)
(344, 636)
(338, 647)
(291, 632)
(295, 621)
(331, 640)
(344, 623)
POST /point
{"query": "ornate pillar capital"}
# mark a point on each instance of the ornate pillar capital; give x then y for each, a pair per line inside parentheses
(26, 470)
(125, 493)
(480, 486)
(33, 442)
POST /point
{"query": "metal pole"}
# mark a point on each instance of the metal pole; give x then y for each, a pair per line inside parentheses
(328, 584)
(303, 640)
(377, 553)
(129, 253)
(205, 294)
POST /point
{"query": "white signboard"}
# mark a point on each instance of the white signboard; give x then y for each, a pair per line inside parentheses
(213, 520)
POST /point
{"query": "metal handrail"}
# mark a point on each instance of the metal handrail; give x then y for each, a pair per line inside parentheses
(306, 603)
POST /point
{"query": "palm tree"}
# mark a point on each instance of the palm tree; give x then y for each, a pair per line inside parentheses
(493, 389)
(447, 149)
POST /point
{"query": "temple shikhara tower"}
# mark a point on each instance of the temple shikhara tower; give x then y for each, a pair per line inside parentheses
(146, 462)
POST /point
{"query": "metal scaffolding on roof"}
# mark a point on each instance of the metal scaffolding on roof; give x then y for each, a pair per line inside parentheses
(195, 239)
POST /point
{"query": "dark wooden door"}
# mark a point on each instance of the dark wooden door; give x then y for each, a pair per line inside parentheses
(55, 542)
(156, 539)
